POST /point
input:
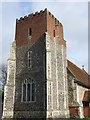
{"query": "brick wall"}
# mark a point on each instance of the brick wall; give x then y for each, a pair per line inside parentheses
(74, 112)
(38, 24)
(86, 111)
(54, 24)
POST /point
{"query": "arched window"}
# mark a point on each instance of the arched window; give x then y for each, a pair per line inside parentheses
(28, 91)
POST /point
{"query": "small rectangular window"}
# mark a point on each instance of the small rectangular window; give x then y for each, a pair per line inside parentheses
(54, 33)
(33, 92)
(24, 92)
(29, 59)
(30, 31)
(28, 96)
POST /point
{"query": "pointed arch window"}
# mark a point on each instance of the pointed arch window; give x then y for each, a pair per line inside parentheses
(28, 91)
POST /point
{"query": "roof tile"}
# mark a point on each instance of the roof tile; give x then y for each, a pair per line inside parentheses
(81, 76)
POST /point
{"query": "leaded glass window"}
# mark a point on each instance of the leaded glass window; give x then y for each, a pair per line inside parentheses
(24, 92)
(33, 92)
(28, 91)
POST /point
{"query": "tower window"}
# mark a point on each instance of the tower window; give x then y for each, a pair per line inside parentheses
(54, 33)
(33, 92)
(29, 59)
(30, 31)
(28, 92)
(24, 92)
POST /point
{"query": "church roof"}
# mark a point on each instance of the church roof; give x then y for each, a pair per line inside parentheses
(81, 76)
(86, 96)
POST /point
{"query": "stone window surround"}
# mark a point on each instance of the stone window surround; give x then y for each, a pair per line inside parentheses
(26, 82)
(50, 94)
(29, 59)
(30, 33)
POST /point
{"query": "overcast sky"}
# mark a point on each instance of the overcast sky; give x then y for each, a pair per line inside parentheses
(73, 16)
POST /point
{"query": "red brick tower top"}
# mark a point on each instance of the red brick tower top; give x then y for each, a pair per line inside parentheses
(32, 27)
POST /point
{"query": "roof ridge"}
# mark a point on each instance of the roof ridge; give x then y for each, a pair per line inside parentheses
(78, 67)
(81, 76)
(85, 71)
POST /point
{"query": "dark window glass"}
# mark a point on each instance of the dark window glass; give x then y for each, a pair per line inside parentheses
(29, 62)
(30, 31)
(24, 92)
(50, 88)
(85, 104)
(28, 94)
(29, 54)
(33, 92)
(54, 33)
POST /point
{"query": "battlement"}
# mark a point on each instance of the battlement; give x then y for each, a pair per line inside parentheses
(30, 16)
(45, 12)
(38, 23)
(56, 20)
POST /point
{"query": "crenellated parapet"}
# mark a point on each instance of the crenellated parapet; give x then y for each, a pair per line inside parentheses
(36, 14)
(40, 22)
(30, 16)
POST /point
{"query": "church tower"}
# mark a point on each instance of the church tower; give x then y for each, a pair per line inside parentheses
(36, 85)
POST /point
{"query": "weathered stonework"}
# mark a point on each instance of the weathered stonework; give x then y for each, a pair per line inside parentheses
(75, 94)
(58, 106)
(37, 74)
(80, 94)
(9, 89)
(72, 92)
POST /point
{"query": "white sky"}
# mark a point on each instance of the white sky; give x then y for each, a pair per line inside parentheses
(73, 16)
